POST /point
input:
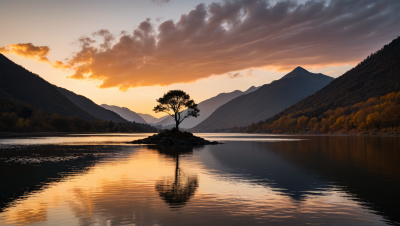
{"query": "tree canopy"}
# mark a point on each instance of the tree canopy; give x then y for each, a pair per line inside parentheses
(178, 105)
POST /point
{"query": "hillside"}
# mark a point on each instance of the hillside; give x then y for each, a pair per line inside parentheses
(155, 121)
(148, 118)
(151, 119)
(125, 113)
(268, 100)
(378, 115)
(90, 107)
(26, 88)
(18, 118)
(364, 100)
(207, 107)
(375, 76)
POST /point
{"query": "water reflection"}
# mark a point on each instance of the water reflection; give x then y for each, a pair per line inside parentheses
(27, 169)
(312, 180)
(366, 168)
(177, 190)
(260, 165)
(31, 215)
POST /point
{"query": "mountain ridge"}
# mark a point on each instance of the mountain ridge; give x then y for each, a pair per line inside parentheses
(125, 113)
(207, 107)
(146, 117)
(89, 106)
(377, 75)
(26, 88)
(256, 106)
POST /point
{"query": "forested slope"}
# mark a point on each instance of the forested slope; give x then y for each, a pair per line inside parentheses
(26, 88)
(90, 107)
(17, 118)
(377, 75)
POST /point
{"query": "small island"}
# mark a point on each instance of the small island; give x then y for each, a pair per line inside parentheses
(179, 106)
(174, 137)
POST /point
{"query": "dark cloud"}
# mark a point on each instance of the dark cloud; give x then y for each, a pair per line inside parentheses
(108, 38)
(235, 35)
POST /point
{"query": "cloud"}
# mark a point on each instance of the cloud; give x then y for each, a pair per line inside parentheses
(60, 65)
(108, 38)
(235, 35)
(161, 2)
(230, 36)
(234, 75)
(27, 50)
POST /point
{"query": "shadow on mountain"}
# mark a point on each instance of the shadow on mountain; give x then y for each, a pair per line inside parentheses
(28, 169)
(177, 190)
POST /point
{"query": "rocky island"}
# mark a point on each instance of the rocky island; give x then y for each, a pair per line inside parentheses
(174, 137)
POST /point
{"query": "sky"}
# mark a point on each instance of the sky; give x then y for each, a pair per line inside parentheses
(129, 53)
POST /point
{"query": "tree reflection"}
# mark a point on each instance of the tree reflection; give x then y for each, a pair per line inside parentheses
(178, 190)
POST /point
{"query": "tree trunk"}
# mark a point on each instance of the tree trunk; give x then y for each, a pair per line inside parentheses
(176, 122)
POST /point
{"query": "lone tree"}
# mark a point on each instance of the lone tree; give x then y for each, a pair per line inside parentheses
(178, 104)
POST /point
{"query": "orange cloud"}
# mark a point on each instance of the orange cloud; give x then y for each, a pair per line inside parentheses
(231, 36)
(60, 65)
(27, 50)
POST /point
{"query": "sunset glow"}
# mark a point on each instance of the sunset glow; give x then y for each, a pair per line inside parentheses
(195, 46)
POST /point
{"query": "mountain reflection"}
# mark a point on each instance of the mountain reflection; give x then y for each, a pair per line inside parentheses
(315, 181)
(178, 190)
(365, 168)
(253, 163)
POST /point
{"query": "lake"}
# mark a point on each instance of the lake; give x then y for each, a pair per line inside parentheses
(251, 179)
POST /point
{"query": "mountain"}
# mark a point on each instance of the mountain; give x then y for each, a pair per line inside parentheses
(90, 107)
(266, 101)
(157, 120)
(207, 107)
(125, 113)
(377, 75)
(26, 88)
(148, 118)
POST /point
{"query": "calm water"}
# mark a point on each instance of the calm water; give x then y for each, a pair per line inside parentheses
(249, 180)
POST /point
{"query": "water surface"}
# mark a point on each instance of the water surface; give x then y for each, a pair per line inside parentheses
(251, 179)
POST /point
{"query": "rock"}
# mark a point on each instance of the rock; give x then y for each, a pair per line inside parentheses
(174, 137)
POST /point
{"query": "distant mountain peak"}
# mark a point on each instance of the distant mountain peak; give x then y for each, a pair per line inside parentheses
(300, 72)
(125, 113)
(268, 100)
(299, 69)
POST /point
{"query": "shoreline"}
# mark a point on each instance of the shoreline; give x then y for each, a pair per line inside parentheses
(64, 134)
(57, 134)
(320, 134)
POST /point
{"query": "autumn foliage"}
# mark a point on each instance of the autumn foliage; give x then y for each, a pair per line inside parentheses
(375, 114)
